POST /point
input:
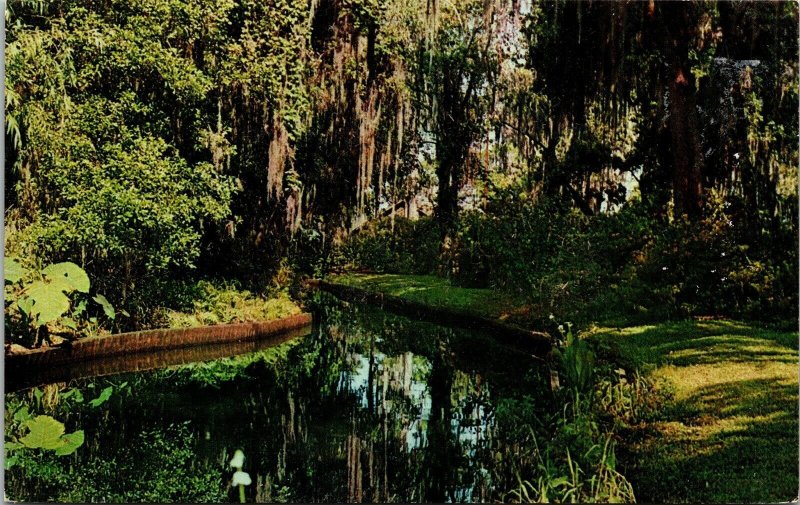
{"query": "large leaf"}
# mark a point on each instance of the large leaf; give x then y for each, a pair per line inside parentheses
(49, 302)
(105, 394)
(45, 433)
(26, 306)
(13, 270)
(70, 273)
(108, 309)
(71, 442)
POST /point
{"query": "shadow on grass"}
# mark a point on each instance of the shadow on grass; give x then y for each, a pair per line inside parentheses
(688, 343)
(438, 292)
(731, 433)
(734, 442)
(746, 398)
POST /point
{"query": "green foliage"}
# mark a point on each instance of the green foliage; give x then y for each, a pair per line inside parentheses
(629, 263)
(437, 292)
(108, 309)
(597, 482)
(718, 265)
(578, 463)
(216, 373)
(105, 394)
(55, 296)
(137, 213)
(629, 398)
(577, 362)
(44, 432)
(158, 466)
(206, 302)
(407, 247)
(40, 432)
(14, 271)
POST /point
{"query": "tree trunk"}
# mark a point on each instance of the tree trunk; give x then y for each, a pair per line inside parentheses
(687, 178)
(448, 172)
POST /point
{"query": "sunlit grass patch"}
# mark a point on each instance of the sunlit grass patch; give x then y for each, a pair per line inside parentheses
(730, 431)
(438, 292)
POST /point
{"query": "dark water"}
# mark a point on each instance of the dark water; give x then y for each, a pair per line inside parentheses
(368, 407)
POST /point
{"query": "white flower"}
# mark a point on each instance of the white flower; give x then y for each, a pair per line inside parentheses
(561, 328)
(664, 268)
(238, 459)
(241, 479)
(552, 317)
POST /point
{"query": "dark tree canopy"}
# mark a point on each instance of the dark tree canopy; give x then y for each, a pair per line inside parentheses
(246, 130)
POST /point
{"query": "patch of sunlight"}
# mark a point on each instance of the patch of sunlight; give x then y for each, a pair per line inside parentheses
(688, 380)
(726, 324)
(412, 289)
(728, 347)
(715, 430)
(627, 331)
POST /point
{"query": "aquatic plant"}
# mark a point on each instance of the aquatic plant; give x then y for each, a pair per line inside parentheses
(564, 478)
(240, 478)
(577, 361)
(40, 432)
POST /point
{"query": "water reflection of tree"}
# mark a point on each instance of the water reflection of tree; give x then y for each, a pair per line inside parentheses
(451, 457)
(370, 407)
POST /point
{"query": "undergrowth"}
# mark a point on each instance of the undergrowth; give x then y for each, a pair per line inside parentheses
(207, 303)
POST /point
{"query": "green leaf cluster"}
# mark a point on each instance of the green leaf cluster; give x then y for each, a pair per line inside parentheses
(43, 432)
(55, 295)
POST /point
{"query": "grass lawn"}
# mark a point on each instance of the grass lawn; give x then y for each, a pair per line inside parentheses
(437, 292)
(730, 431)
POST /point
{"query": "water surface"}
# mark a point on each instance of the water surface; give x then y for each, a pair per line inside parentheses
(367, 407)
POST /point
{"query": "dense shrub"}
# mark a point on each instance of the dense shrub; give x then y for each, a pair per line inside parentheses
(631, 263)
(559, 259)
(129, 217)
(412, 247)
(719, 265)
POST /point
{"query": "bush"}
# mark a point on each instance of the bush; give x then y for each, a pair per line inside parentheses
(411, 248)
(633, 263)
(559, 259)
(718, 265)
(206, 303)
(130, 217)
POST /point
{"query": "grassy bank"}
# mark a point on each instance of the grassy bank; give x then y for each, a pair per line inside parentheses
(729, 431)
(438, 292)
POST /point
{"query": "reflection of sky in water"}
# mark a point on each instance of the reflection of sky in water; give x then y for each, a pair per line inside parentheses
(470, 424)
